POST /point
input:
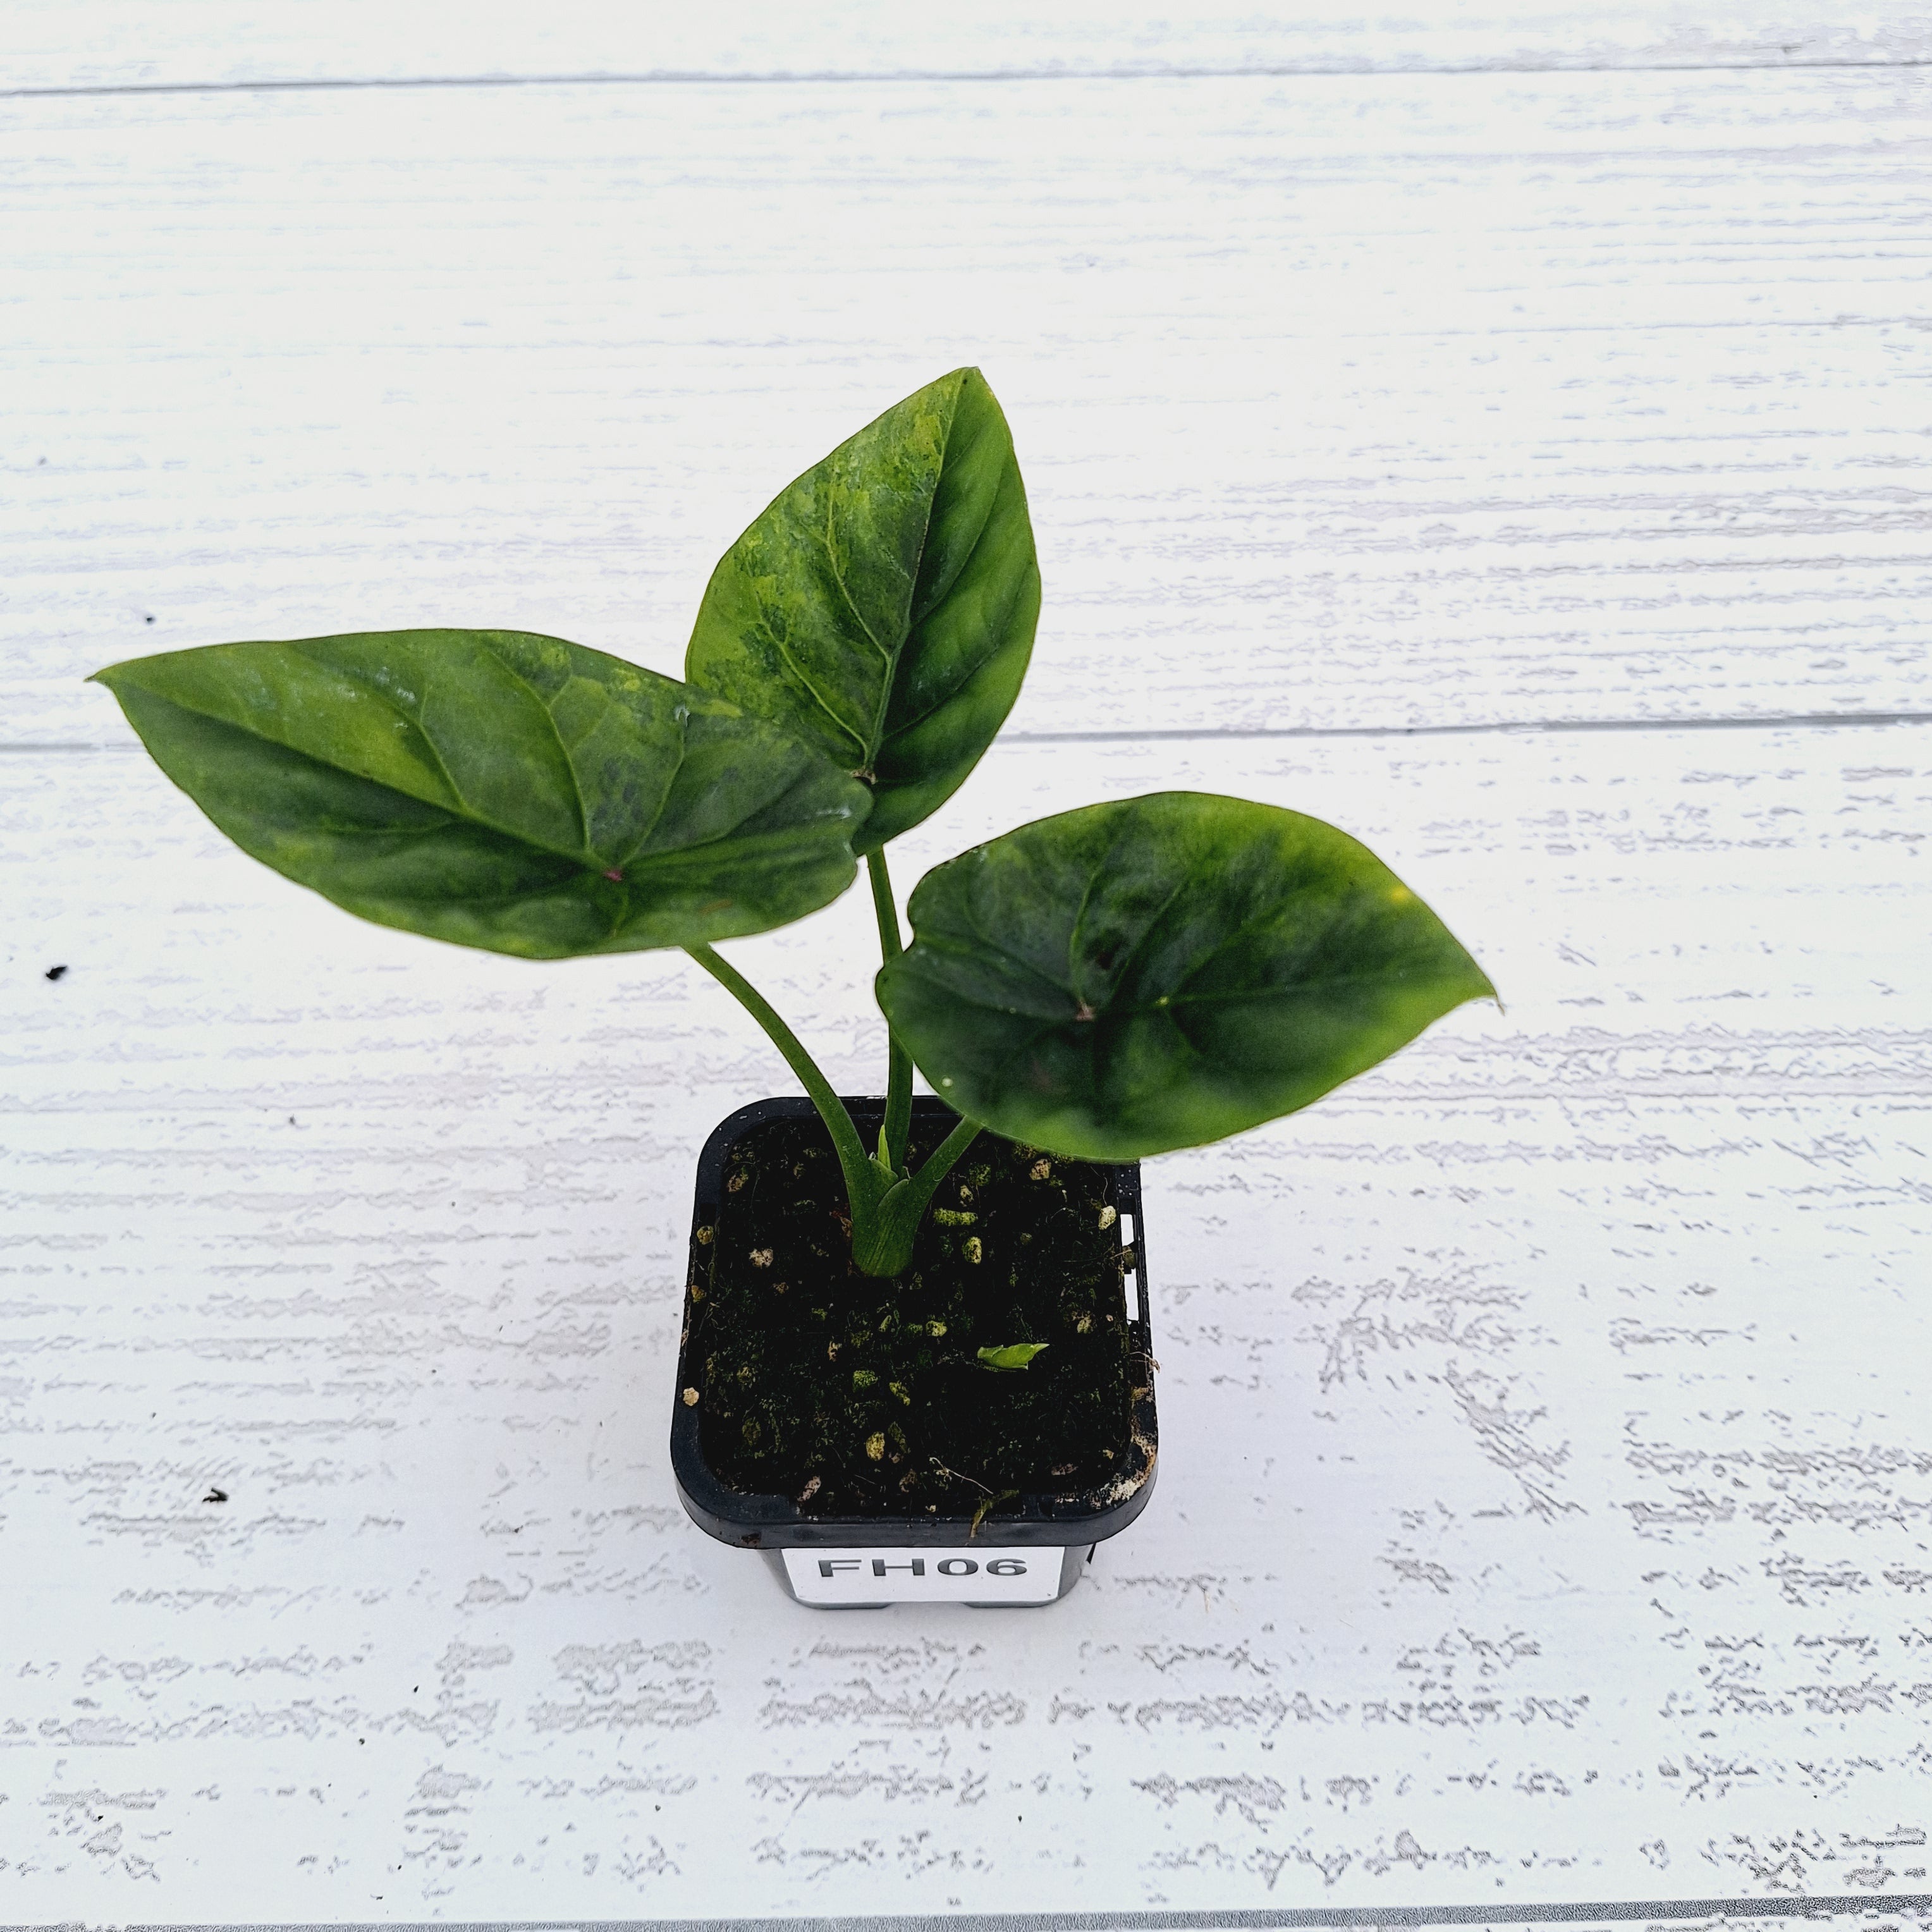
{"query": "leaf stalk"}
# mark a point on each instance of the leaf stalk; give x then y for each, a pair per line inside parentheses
(887, 1205)
(896, 1129)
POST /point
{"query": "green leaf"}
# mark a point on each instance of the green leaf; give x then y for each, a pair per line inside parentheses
(498, 789)
(882, 607)
(1014, 1355)
(1160, 973)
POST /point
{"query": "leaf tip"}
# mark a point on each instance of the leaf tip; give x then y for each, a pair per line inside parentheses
(1486, 987)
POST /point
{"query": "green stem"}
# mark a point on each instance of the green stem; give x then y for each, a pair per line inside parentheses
(887, 1207)
(859, 1168)
(889, 1235)
(896, 1129)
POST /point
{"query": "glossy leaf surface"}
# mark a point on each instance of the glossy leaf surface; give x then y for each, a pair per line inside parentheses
(882, 607)
(1157, 974)
(498, 789)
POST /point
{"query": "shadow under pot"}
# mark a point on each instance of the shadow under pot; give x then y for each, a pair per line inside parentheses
(850, 1429)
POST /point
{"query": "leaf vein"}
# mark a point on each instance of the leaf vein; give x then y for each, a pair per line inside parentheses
(818, 698)
(582, 809)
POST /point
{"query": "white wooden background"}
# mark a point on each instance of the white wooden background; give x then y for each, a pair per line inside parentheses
(1503, 433)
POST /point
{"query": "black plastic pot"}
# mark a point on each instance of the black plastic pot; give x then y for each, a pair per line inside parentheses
(1032, 1551)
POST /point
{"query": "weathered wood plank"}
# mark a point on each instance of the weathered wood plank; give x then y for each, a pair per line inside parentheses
(1544, 1509)
(121, 43)
(1344, 402)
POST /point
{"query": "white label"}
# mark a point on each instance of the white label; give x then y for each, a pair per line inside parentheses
(986, 1574)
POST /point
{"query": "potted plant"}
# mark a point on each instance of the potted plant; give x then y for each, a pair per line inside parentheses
(915, 1358)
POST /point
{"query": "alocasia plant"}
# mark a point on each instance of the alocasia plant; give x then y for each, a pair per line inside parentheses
(1112, 982)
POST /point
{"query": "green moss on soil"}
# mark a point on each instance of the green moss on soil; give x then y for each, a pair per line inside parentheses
(856, 1396)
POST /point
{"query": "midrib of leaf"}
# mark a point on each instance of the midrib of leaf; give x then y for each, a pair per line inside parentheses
(1326, 983)
(469, 815)
(449, 818)
(945, 698)
(1258, 923)
(470, 899)
(751, 847)
(925, 532)
(945, 450)
(1140, 1009)
(375, 691)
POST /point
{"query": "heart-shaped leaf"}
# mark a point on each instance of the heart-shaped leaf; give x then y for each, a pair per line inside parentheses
(1157, 974)
(498, 789)
(882, 607)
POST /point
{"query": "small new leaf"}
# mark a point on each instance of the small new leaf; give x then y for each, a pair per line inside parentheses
(499, 789)
(882, 607)
(1014, 1355)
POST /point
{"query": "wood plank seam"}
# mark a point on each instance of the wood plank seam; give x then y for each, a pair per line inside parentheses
(1317, 734)
(909, 77)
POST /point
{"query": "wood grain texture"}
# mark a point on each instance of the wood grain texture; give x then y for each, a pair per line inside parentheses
(1545, 1505)
(1343, 402)
(1546, 1510)
(122, 43)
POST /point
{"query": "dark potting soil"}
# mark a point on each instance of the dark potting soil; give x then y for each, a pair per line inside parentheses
(854, 1395)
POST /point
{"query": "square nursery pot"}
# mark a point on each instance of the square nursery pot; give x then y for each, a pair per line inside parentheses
(788, 1359)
